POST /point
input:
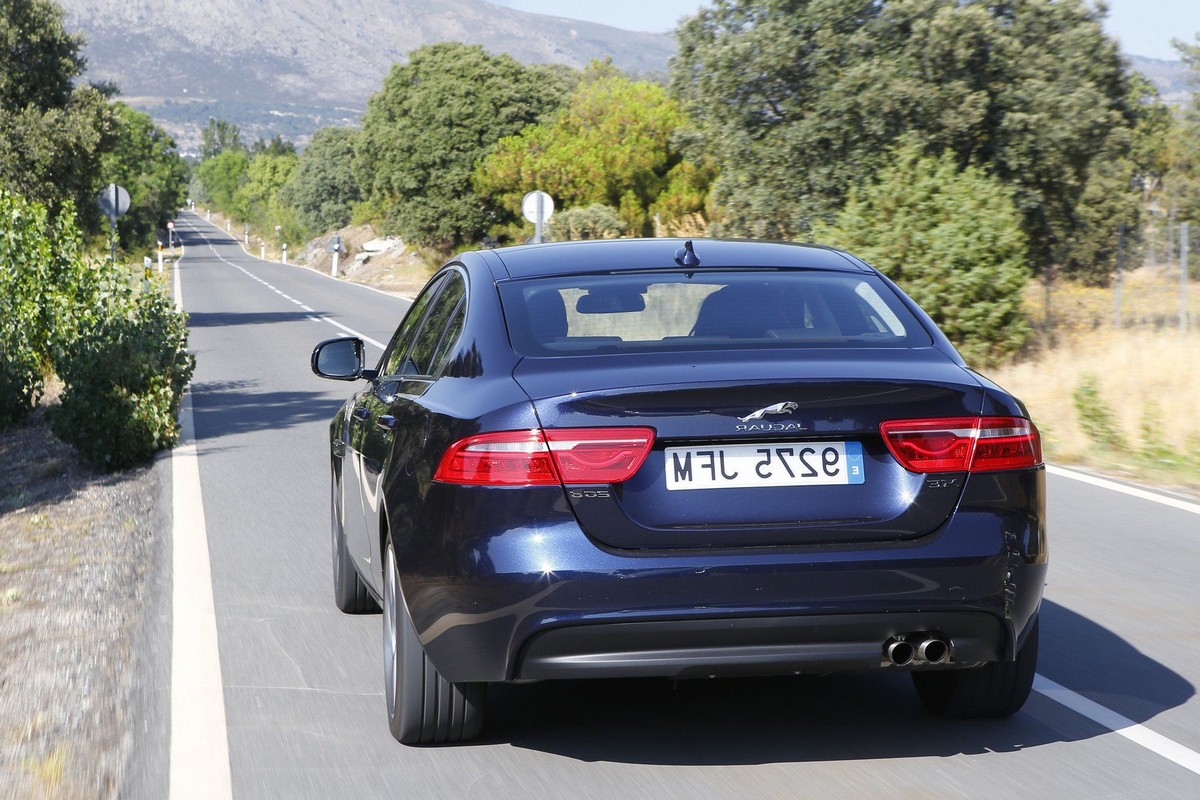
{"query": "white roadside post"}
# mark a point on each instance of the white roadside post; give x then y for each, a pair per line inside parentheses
(246, 239)
(283, 257)
(336, 247)
(160, 257)
(262, 249)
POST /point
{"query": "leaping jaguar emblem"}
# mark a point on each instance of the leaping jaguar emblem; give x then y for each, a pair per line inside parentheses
(778, 408)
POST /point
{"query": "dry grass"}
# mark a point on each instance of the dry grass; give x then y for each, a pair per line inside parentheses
(1149, 381)
(1150, 298)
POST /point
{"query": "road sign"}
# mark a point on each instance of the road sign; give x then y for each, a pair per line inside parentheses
(530, 208)
(113, 201)
(335, 244)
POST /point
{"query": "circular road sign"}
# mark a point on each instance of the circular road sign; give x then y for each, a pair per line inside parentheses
(529, 206)
(113, 201)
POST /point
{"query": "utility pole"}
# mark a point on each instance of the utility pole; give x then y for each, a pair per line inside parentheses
(1183, 276)
(1120, 268)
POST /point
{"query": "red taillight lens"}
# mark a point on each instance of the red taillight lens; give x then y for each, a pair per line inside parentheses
(541, 458)
(958, 444)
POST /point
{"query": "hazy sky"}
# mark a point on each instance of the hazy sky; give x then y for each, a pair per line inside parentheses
(1143, 27)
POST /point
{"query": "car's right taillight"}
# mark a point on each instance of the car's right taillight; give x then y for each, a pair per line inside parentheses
(544, 458)
(958, 444)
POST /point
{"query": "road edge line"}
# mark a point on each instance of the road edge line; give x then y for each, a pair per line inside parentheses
(1132, 491)
(1120, 725)
(198, 765)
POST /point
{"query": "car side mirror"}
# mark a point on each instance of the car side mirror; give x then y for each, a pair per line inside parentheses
(339, 359)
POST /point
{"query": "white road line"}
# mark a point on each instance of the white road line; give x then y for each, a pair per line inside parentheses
(199, 754)
(240, 244)
(332, 322)
(1123, 726)
(1132, 491)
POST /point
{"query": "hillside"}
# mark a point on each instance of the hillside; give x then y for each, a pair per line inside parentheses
(291, 66)
(1169, 77)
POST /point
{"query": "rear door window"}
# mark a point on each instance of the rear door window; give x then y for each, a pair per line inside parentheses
(441, 328)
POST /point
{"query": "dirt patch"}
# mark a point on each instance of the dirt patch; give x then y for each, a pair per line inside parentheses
(74, 554)
(393, 268)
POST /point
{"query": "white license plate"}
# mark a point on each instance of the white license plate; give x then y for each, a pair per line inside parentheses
(741, 466)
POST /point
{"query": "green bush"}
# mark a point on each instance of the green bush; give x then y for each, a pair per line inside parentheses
(596, 221)
(952, 239)
(124, 375)
(23, 251)
(1095, 417)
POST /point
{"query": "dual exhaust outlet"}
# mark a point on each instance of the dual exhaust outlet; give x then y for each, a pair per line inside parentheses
(901, 651)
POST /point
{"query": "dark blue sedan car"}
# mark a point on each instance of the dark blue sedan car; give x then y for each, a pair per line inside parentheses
(654, 458)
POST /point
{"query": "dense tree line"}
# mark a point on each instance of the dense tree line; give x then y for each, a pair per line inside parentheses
(66, 309)
(786, 119)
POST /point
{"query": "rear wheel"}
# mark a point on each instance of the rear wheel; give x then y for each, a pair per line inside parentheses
(423, 707)
(349, 592)
(998, 689)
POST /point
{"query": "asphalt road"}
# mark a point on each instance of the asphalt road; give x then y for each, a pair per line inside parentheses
(302, 683)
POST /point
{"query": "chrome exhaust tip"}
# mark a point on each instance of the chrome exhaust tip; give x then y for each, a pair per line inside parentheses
(933, 651)
(900, 653)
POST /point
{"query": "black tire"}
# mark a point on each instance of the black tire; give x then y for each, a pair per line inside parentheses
(995, 690)
(350, 594)
(423, 707)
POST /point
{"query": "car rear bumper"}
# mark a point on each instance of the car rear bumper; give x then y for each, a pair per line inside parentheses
(707, 648)
(545, 601)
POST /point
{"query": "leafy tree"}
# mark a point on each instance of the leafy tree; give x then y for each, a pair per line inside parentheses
(47, 291)
(221, 175)
(52, 132)
(610, 145)
(952, 239)
(1181, 183)
(25, 253)
(218, 136)
(323, 189)
(38, 58)
(433, 119)
(798, 101)
(265, 176)
(275, 146)
(145, 162)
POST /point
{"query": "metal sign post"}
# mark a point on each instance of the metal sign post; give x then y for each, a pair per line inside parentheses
(113, 201)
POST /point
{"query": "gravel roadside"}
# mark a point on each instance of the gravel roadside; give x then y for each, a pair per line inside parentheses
(77, 551)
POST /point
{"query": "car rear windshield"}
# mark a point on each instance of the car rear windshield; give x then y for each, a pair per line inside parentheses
(655, 312)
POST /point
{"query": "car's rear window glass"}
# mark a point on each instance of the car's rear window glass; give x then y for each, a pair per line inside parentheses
(582, 314)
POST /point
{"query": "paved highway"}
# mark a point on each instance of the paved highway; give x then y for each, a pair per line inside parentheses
(1115, 713)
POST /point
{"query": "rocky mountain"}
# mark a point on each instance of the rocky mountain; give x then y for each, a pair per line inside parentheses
(291, 66)
(1169, 77)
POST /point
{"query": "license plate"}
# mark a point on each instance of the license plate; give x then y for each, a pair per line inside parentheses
(741, 466)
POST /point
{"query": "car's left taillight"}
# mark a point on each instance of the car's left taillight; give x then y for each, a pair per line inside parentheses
(957, 444)
(546, 457)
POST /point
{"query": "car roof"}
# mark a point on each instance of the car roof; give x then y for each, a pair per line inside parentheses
(608, 255)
